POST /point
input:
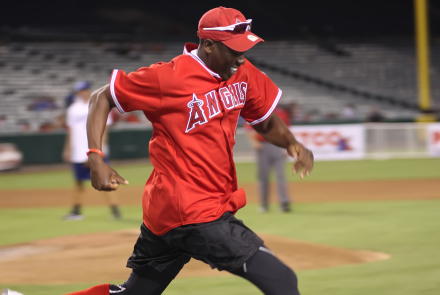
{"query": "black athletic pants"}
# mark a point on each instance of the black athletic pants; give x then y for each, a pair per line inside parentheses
(262, 269)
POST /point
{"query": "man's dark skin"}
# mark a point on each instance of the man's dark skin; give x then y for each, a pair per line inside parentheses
(220, 59)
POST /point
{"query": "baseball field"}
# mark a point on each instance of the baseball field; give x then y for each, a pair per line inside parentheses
(357, 228)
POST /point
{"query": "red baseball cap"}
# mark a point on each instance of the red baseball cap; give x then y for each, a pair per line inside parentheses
(229, 26)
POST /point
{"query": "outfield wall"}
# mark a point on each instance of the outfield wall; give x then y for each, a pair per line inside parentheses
(47, 148)
(359, 141)
(328, 142)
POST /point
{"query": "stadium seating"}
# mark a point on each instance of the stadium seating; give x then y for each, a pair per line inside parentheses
(372, 72)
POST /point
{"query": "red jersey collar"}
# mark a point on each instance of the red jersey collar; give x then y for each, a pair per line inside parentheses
(191, 50)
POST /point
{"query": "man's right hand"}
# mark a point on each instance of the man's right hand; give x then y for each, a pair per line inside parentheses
(102, 176)
(303, 159)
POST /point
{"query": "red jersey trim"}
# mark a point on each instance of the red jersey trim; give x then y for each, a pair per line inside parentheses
(112, 91)
(274, 104)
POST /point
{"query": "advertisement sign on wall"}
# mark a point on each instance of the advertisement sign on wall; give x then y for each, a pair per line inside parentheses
(433, 139)
(333, 142)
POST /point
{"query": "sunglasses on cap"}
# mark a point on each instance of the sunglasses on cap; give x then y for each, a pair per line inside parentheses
(238, 28)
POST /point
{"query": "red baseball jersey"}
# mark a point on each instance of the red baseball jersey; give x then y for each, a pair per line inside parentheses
(194, 114)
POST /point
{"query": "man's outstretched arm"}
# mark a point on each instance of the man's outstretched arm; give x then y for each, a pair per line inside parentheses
(102, 176)
(275, 131)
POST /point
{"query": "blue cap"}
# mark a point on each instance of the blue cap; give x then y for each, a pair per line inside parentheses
(81, 85)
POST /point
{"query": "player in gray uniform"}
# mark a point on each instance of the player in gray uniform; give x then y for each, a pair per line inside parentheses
(268, 156)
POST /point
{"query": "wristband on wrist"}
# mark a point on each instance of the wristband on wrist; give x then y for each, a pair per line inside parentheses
(95, 151)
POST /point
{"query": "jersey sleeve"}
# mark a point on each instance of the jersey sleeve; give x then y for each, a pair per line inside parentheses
(262, 96)
(138, 90)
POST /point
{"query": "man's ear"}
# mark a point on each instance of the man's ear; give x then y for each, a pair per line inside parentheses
(208, 45)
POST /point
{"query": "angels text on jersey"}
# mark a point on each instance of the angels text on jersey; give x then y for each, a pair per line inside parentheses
(202, 109)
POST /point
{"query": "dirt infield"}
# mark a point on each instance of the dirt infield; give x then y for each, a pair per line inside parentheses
(96, 257)
(300, 191)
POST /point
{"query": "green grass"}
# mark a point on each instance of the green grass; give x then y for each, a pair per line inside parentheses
(137, 174)
(24, 225)
(323, 171)
(408, 230)
(368, 170)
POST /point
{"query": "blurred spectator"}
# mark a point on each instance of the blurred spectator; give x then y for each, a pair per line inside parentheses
(312, 116)
(295, 112)
(349, 112)
(2, 122)
(60, 122)
(131, 117)
(24, 125)
(42, 103)
(375, 115)
(46, 127)
(115, 116)
(331, 116)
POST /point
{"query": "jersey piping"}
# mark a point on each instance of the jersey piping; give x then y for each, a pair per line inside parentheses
(280, 93)
(113, 93)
